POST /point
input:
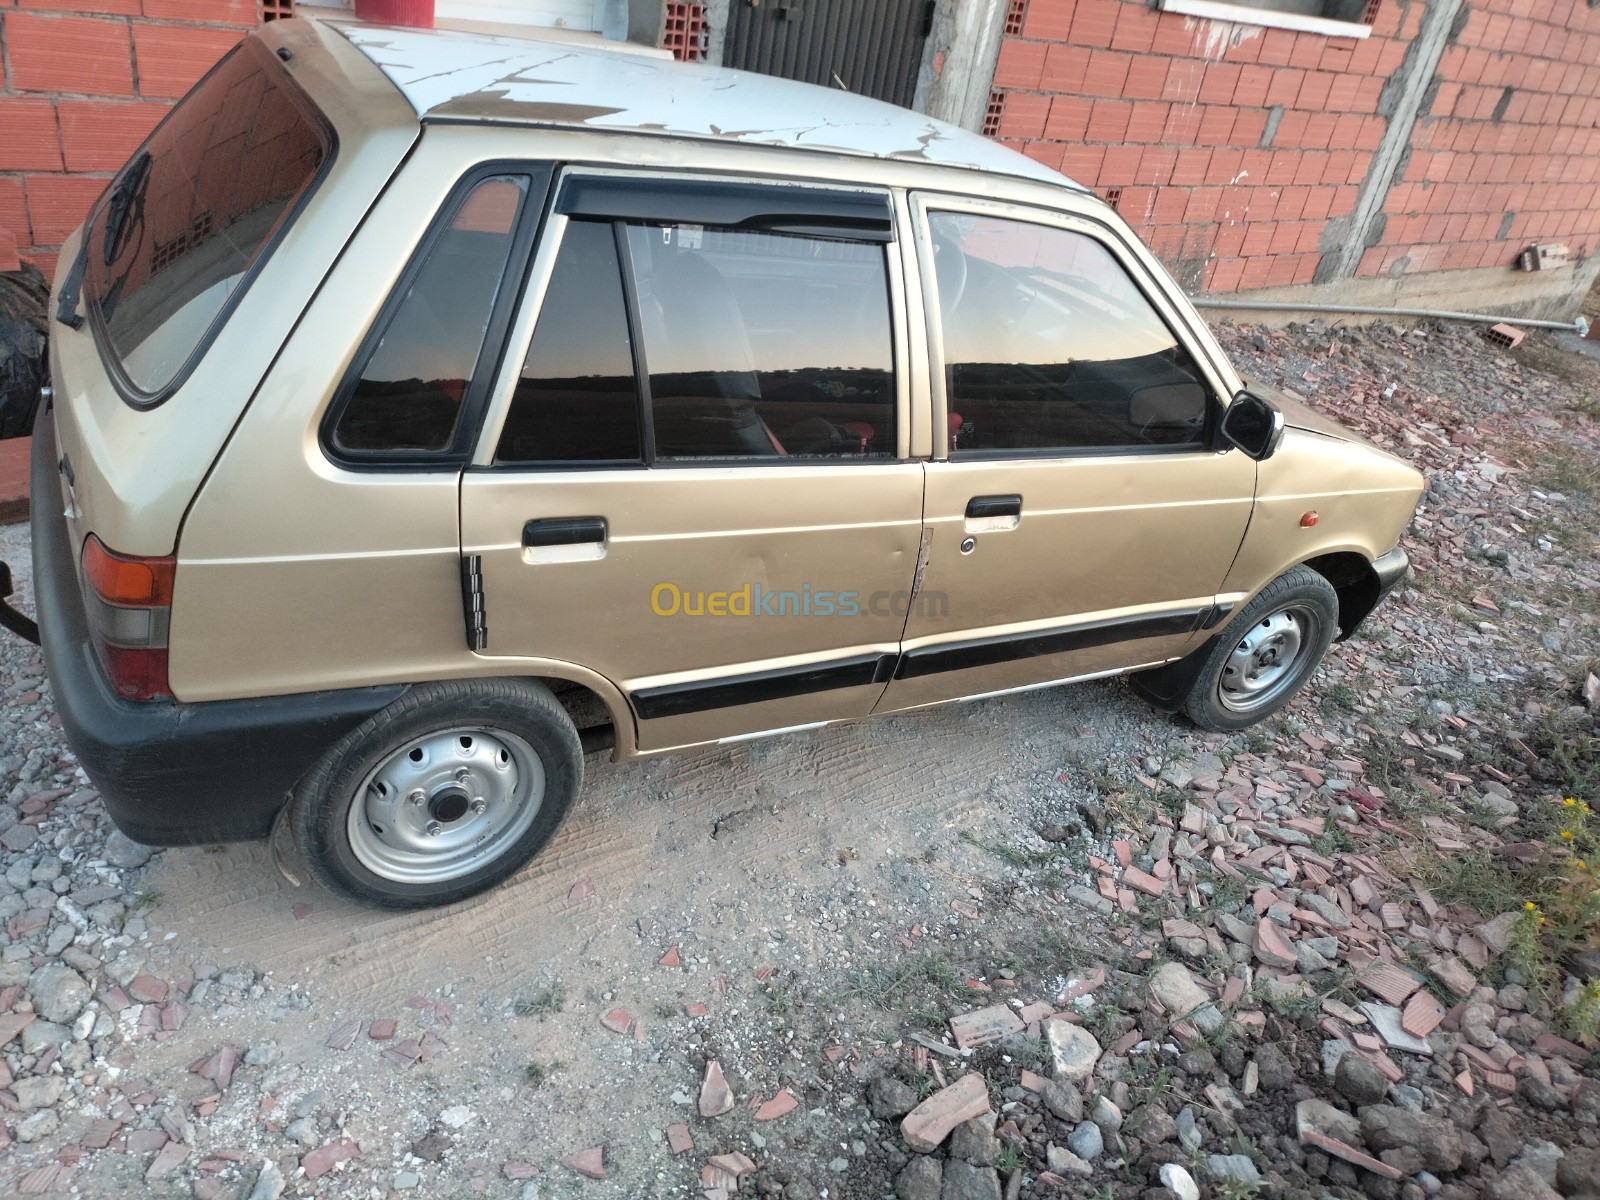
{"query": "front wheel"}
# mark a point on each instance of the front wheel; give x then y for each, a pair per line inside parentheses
(1266, 653)
(441, 795)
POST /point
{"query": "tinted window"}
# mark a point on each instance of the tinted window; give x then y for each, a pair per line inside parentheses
(764, 345)
(1049, 345)
(576, 400)
(409, 394)
(192, 212)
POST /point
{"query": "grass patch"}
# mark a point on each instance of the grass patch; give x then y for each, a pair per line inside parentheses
(544, 1003)
(534, 1074)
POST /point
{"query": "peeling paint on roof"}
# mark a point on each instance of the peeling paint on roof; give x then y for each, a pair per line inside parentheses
(453, 74)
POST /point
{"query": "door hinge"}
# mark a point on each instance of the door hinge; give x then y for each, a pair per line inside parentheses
(472, 601)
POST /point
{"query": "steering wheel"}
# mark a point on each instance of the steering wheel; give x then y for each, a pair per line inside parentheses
(949, 272)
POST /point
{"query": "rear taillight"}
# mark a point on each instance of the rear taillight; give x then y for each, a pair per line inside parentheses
(129, 603)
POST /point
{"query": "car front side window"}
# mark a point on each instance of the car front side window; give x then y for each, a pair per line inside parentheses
(1049, 345)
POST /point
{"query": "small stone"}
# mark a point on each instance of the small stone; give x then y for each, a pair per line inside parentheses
(1326, 909)
(58, 993)
(922, 1179)
(1063, 1101)
(1359, 1081)
(1064, 1162)
(1150, 1123)
(1540, 1094)
(680, 1139)
(1519, 1183)
(39, 1125)
(889, 1096)
(1386, 1128)
(123, 852)
(1086, 1141)
(38, 1091)
(406, 1180)
(1182, 997)
(1179, 1182)
(974, 1141)
(1074, 1050)
(1238, 1169)
(269, 1182)
(1105, 1114)
(1274, 1069)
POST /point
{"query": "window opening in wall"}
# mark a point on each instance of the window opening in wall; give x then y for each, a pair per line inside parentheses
(1334, 18)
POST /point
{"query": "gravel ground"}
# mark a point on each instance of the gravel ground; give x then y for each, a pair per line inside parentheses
(809, 914)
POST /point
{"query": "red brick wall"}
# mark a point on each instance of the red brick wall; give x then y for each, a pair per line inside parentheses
(1174, 113)
(1537, 160)
(82, 83)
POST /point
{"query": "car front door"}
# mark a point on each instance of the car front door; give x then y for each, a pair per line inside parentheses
(1079, 522)
(695, 476)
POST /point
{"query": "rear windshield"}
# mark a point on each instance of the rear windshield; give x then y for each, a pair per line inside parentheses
(173, 243)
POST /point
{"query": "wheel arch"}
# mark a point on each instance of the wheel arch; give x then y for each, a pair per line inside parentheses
(1354, 580)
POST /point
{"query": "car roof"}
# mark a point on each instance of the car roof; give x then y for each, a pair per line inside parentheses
(454, 74)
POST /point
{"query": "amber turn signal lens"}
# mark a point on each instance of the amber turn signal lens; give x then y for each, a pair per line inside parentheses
(126, 580)
(1310, 519)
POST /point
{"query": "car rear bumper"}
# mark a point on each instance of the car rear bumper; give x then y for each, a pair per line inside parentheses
(170, 773)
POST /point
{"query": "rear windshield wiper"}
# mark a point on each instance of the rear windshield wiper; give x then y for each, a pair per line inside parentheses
(126, 197)
(128, 194)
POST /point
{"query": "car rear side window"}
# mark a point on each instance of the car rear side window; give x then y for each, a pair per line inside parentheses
(176, 239)
(407, 399)
(577, 400)
(1050, 345)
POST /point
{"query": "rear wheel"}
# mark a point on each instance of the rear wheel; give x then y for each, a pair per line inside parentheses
(1266, 653)
(441, 795)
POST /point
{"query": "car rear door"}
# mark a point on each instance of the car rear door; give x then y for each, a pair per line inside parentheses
(695, 476)
(1078, 521)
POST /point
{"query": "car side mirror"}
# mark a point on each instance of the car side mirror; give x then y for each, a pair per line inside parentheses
(1253, 425)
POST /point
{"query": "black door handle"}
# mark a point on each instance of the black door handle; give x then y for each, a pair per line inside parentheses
(564, 531)
(994, 506)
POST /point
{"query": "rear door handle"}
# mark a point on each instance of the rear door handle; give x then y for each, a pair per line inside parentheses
(563, 531)
(980, 507)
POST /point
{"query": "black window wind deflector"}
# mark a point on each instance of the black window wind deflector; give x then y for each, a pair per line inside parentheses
(808, 211)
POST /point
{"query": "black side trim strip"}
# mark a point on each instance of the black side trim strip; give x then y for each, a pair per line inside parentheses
(675, 699)
(1218, 614)
(984, 652)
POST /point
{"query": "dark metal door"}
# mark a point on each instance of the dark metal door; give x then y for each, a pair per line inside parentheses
(871, 47)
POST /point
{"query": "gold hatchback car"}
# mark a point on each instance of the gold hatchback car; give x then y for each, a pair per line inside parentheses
(431, 407)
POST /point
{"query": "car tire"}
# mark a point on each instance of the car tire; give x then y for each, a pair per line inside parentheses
(441, 795)
(1265, 654)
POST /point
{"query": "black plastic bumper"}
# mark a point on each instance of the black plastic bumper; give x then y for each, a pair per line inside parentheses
(171, 774)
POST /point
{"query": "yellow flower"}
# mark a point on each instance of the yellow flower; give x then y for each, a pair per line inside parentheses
(1570, 802)
(1582, 866)
(1530, 906)
(1567, 834)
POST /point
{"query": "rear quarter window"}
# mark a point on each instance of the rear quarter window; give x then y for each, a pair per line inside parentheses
(185, 225)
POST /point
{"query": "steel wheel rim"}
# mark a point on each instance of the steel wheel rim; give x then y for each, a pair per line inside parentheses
(445, 804)
(1268, 658)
